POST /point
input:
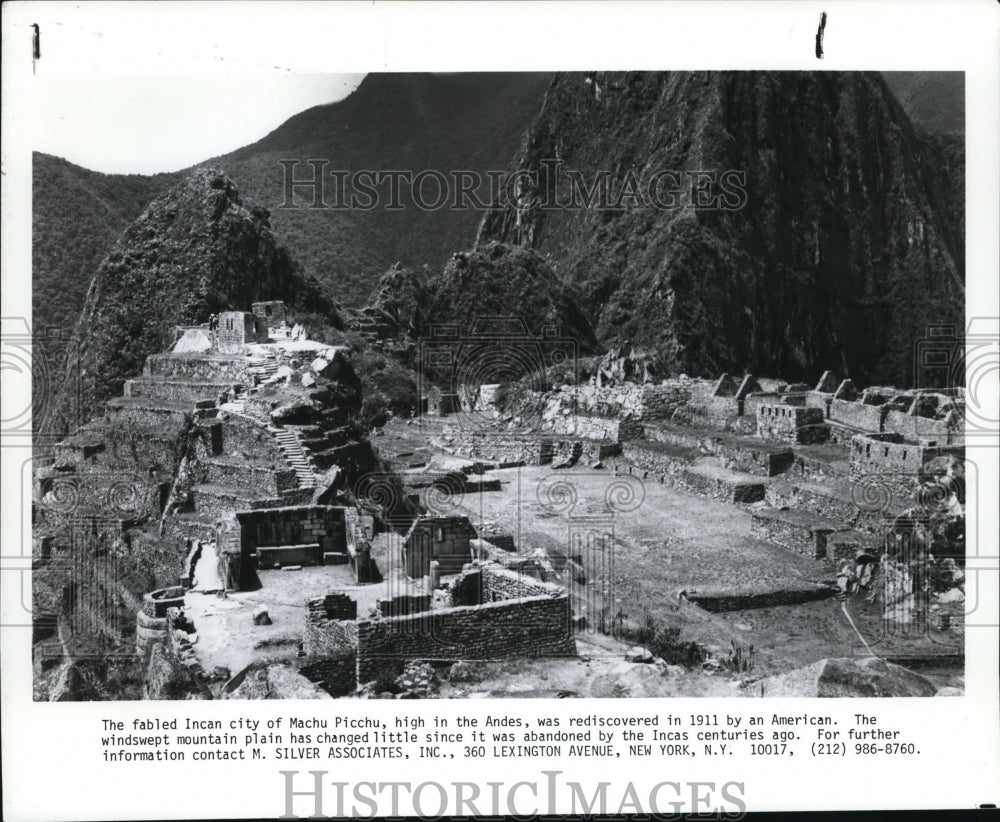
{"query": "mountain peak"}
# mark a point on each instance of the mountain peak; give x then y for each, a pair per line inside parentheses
(197, 250)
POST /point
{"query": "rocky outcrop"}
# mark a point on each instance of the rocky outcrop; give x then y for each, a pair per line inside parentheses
(514, 284)
(399, 304)
(807, 223)
(275, 681)
(866, 677)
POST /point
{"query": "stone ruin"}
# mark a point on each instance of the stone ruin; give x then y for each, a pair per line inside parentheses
(827, 472)
(490, 614)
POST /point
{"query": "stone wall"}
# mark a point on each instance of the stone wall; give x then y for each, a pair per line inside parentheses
(501, 539)
(753, 403)
(156, 603)
(337, 675)
(104, 492)
(271, 312)
(539, 626)
(597, 428)
(246, 440)
(636, 401)
(150, 412)
(764, 460)
(359, 550)
(914, 428)
(211, 368)
(858, 415)
(179, 390)
(239, 327)
(261, 481)
(723, 413)
(323, 525)
(503, 448)
(284, 555)
(789, 423)
(328, 637)
(658, 457)
(403, 604)
(497, 584)
(801, 532)
(889, 454)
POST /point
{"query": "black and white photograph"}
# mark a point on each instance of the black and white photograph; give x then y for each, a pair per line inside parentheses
(470, 384)
(633, 384)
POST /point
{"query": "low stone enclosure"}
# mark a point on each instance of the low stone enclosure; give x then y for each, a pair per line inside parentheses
(276, 537)
(493, 614)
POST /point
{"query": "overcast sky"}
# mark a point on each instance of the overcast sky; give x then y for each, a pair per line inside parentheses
(145, 123)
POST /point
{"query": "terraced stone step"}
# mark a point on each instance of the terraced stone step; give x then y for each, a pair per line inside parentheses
(156, 412)
(719, 598)
(212, 497)
(210, 367)
(867, 509)
(184, 390)
(262, 370)
(739, 453)
(263, 480)
(716, 482)
(802, 532)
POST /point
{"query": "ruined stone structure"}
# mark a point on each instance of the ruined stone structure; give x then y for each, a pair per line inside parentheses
(788, 423)
(517, 617)
(238, 328)
(297, 535)
(444, 540)
(494, 614)
(438, 404)
(891, 454)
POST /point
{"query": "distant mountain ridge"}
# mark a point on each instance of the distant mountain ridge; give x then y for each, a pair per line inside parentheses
(391, 121)
(445, 122)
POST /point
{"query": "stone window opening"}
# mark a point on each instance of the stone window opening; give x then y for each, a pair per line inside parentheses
(440, 534)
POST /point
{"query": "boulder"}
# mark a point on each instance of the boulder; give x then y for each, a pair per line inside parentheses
(293, 413)
(261, 616)
(845, 676)
(639, 654)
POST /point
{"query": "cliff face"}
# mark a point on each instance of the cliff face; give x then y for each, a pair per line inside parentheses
(197, 250)
(838, 242)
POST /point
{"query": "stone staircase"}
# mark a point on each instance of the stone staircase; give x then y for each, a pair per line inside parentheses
(238, 404)
(263, 368)
(295, 454)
